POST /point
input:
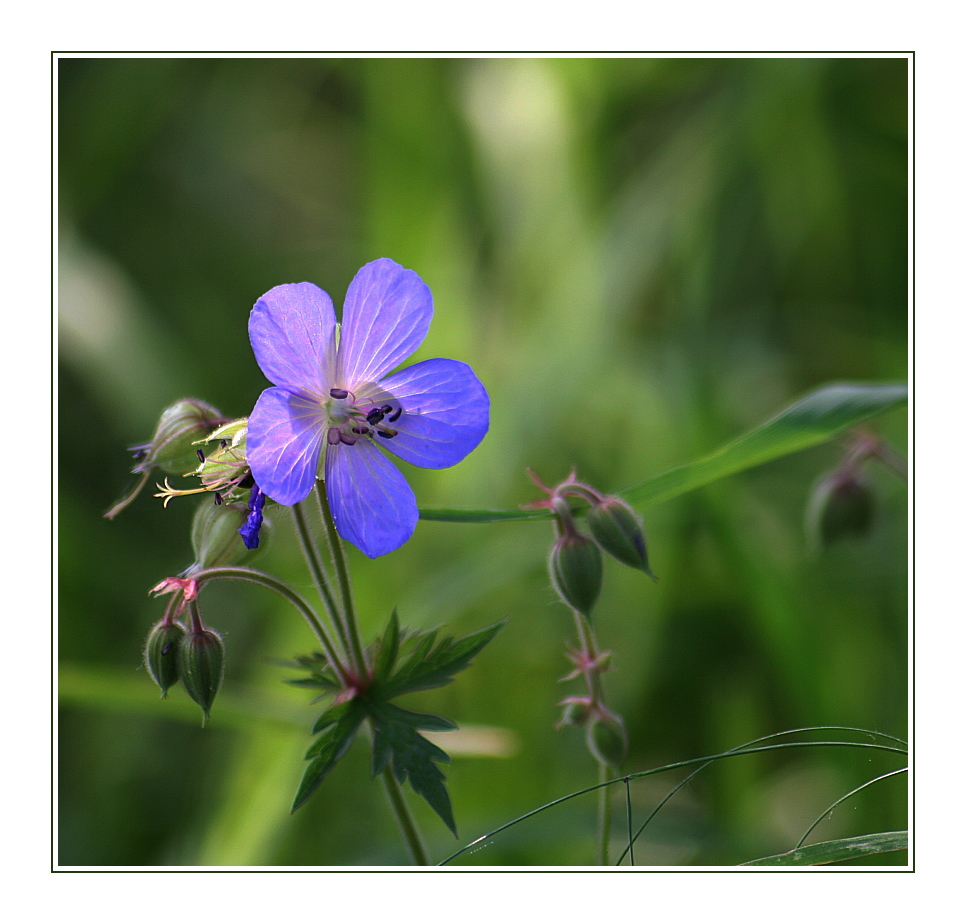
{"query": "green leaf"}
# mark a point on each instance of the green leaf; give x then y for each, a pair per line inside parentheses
(433, 665)
(429, 662)
(340, 727)
(837, 851)
(388, 649)
(817, 418)
(396, 739)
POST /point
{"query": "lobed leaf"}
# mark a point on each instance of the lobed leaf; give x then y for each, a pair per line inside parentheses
(432, 665)
(340, 725)
(396, 740)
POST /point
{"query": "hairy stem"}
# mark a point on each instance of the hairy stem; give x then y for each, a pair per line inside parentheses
(317, 570)
(350, 628)
(293, 597)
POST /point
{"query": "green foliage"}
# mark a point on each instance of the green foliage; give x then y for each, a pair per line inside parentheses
(815, 419)
(841, 850)
(426, 662)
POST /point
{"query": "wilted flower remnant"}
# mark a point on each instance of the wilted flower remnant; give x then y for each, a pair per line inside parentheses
(335, 405)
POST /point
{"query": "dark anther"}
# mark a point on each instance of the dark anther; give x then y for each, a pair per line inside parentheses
(362, 431)
(338, 393)
(224, 444)
(387, 433)
(217, 499)
(246, 482)
(393, 417)
(201, 456)
(386, 408)
(167, 648)
(375, 415)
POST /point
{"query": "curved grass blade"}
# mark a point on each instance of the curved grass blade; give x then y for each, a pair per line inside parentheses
(739, 751)
(815, 419)
(838, 851)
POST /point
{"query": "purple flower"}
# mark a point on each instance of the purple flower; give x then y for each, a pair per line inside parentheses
(333, 396)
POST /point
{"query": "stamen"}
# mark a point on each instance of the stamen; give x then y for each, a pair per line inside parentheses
(201, 457)
(387, 432)
(375, 415)
(395, 415)
(218, 499)
(334, 436)
(338, 393)
(362, 431)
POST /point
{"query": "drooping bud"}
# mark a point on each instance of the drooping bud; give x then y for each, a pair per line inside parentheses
(181, 425)
(620, 533)
(577, 570)
(607, 738)
(161, 654)
(201, 666)
(842, 505)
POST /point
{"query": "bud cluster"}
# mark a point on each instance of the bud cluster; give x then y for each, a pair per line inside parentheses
(575, 563)
(194, 655)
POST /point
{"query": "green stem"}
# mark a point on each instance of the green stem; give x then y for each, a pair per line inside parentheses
(283, 589)
(317, 570)
(407, 824)
(351, 628)
(603, 816)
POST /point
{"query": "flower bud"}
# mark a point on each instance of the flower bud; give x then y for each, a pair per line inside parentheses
(842, 505)
(161, 654)
(201, 666)
(577, 571)
(214, 535)
(619, 532)
(607, 739)
(577, 710)
(181, 425)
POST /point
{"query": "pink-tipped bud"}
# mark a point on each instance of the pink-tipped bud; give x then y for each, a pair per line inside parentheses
(577, 571)
(620, 533)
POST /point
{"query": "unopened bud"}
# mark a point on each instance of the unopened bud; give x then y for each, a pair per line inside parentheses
(619, 531)
(201, 666)
(577, 571)
(181, 425)
(607, 740)
(577, 710)
(161, 654)
(214, 535)
(842, 505)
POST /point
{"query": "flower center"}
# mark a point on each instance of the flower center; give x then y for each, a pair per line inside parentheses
(351, 420)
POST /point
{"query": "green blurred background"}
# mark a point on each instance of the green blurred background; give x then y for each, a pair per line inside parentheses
(640, 258)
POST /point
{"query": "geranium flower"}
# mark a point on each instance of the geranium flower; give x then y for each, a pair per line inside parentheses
(333, 399)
